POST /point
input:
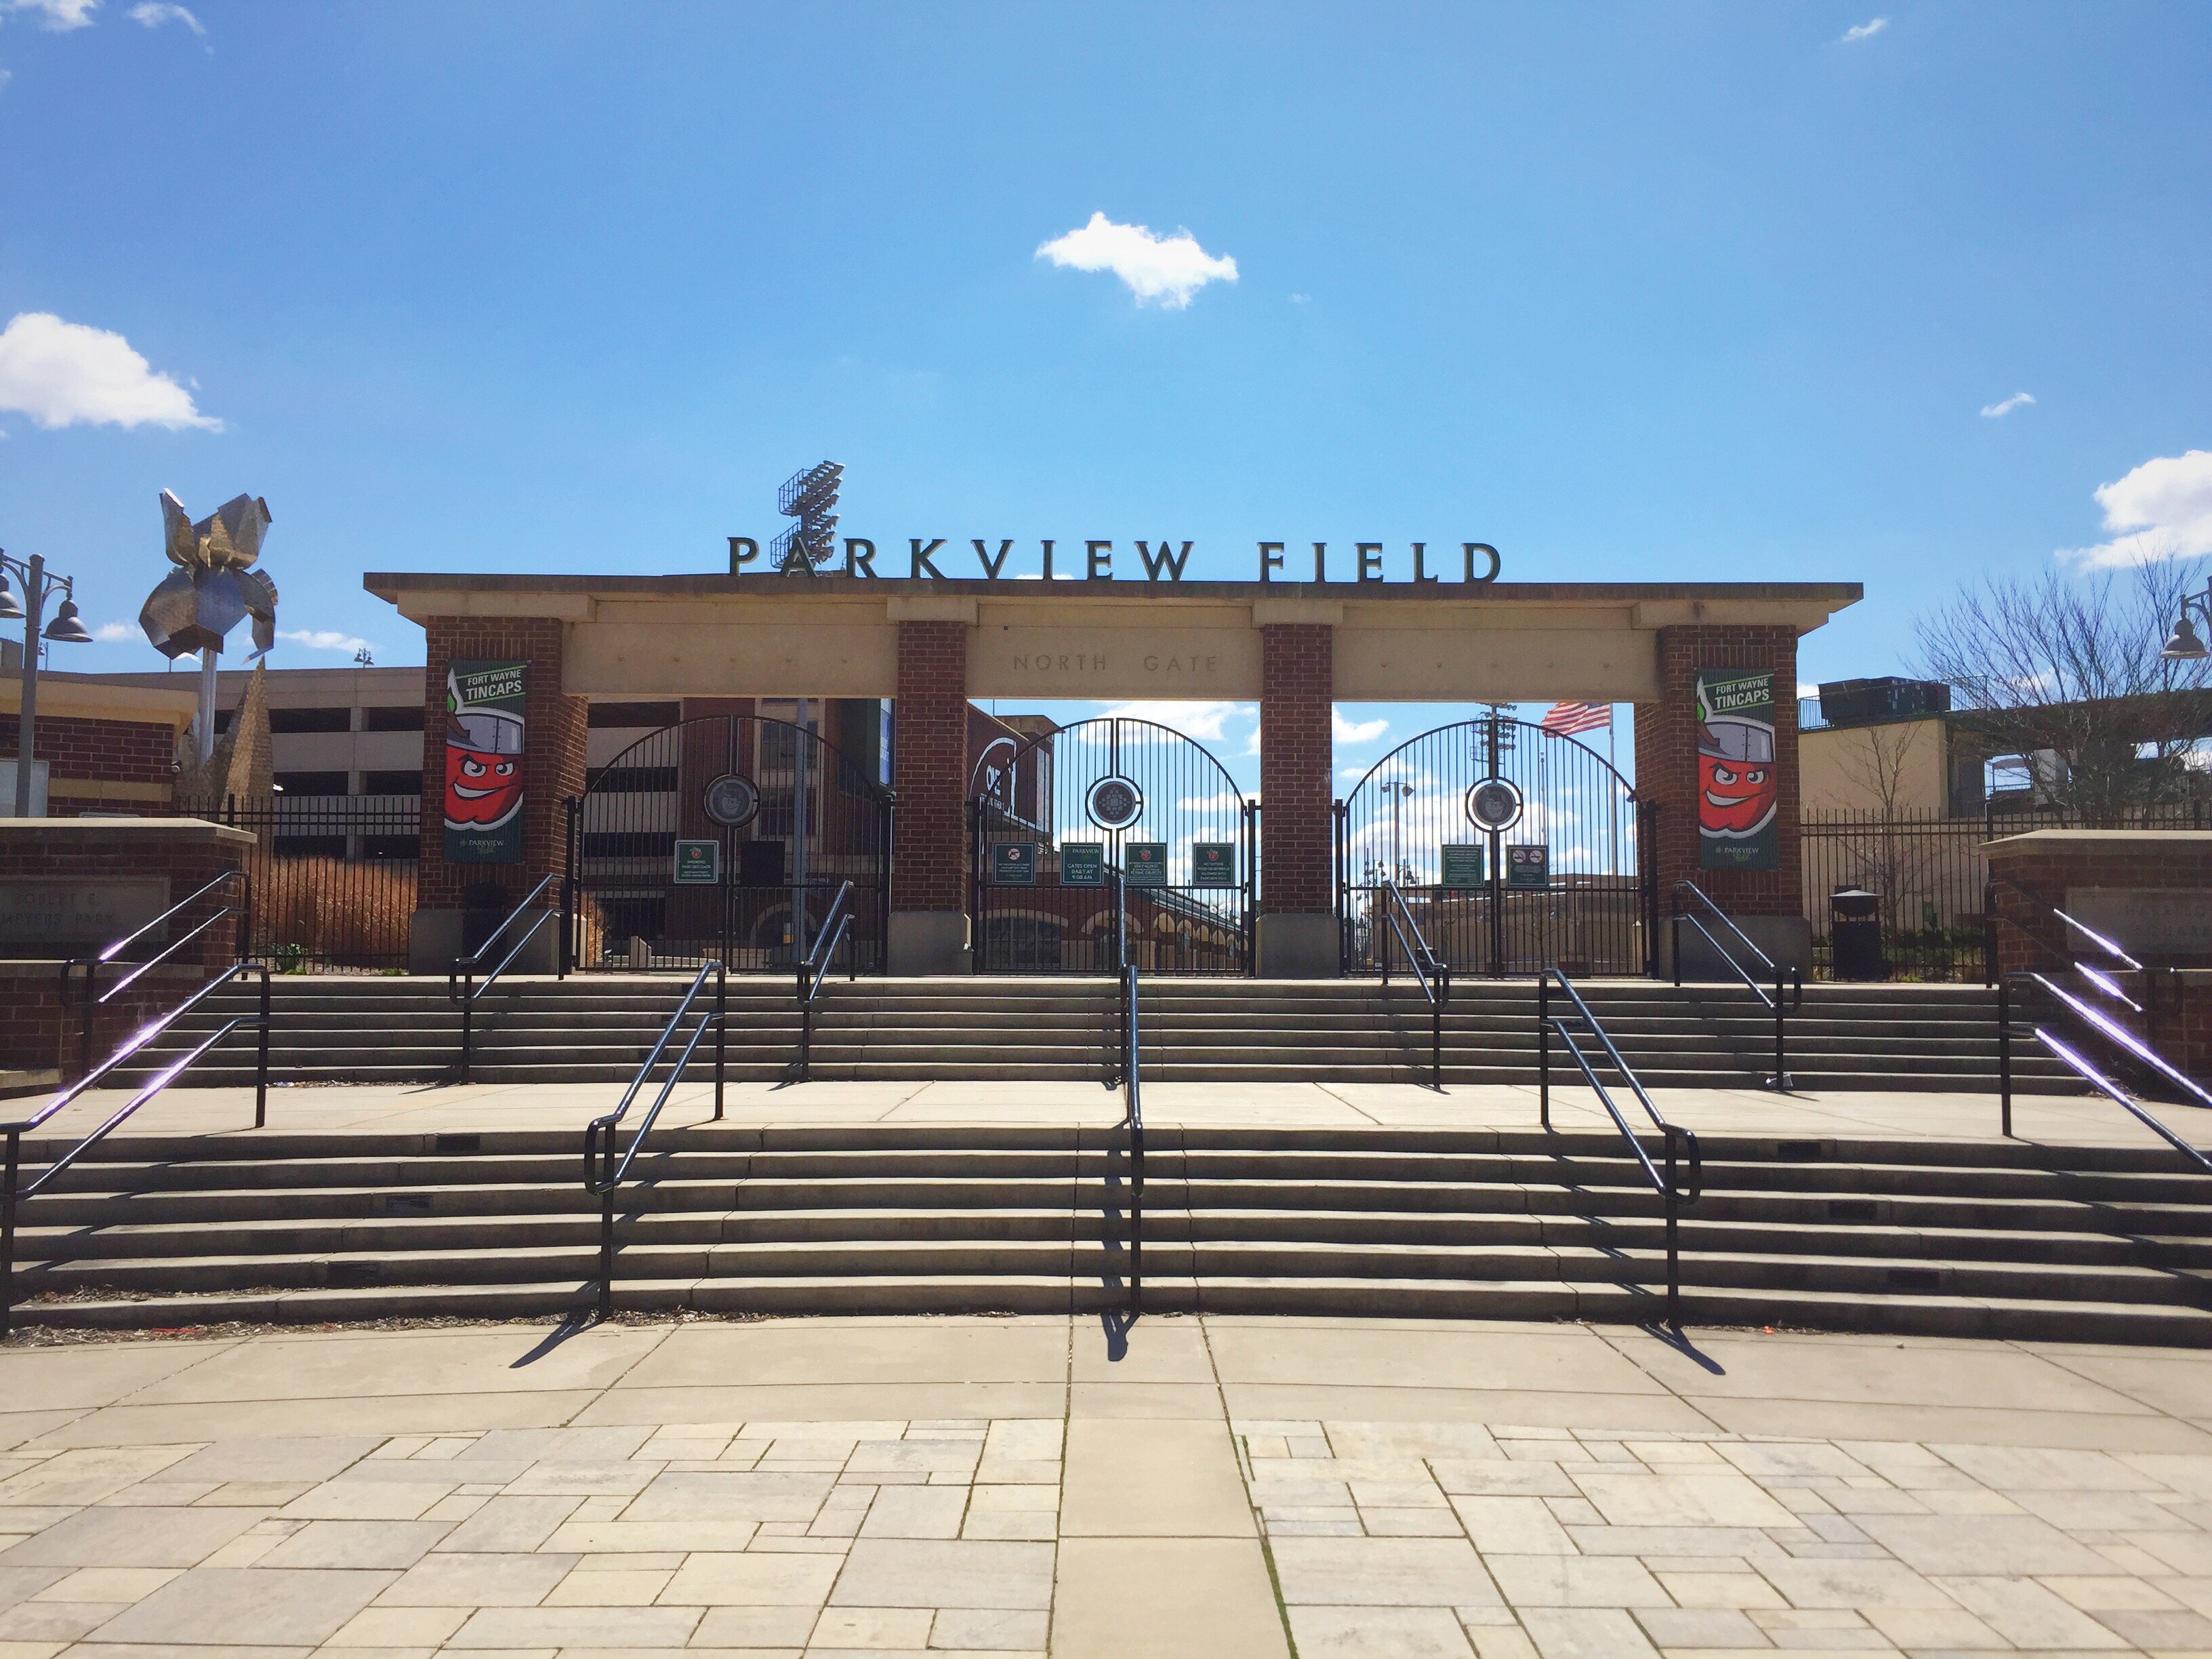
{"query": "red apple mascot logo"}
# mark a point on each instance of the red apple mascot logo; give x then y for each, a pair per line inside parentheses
(484, 765)
(1737, 789)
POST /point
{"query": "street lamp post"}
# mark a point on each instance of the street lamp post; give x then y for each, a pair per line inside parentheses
(2184, 644)
(37, 584)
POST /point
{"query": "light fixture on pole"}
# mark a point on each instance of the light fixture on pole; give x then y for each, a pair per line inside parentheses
(39, 586)
(2184, 644)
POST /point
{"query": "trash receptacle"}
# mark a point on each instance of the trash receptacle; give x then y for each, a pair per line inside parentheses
(1854, 934)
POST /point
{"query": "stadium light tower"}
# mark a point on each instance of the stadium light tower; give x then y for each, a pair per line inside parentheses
(811, 497)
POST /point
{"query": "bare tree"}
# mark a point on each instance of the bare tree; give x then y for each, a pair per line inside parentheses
(2070, 666)
(1885, 860)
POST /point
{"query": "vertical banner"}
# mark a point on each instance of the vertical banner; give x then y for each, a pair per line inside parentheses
(483, 761)
(1738, 793)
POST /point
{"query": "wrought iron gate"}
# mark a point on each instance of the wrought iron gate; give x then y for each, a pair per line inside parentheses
(705, 839)
(1103, 819)
(1516, 850)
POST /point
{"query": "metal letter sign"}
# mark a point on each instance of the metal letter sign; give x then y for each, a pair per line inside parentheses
(1213, 864)
(484, 712)
(1738, 793)
(698, 863)
(1528, 867)
(1082, 864)
(1013, 863)
(1144, 864)
(1465, 867)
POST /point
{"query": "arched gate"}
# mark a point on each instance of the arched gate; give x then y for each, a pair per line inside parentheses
(1106, 817)
(1515, 848)
(725, 839)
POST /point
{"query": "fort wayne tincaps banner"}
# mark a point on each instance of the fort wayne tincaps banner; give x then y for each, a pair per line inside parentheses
(483, 761)
(1737, 791)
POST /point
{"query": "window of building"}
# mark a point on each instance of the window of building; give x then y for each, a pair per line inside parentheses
(395, 717)
(654, 714)
(313, 783)
(311, 720)
(392, 783)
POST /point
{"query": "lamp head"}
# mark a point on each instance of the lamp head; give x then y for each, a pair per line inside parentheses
(11, 608)
(2183, 645)
(66, 628)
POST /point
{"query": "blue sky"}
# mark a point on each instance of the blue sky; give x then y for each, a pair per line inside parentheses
(1694, 292)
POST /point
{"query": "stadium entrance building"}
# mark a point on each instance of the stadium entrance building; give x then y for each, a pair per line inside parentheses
(990, 850)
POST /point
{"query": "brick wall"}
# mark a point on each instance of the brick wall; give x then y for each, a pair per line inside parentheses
(104, 751)
(2030, 875)
(553, 758)
(36, 1030)
(1667, 763)
(1297, 690)
(929, 834)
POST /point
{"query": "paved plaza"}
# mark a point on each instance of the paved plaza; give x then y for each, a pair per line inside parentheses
(1216, 1485)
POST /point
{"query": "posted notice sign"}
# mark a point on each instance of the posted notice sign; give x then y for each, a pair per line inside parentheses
(1082, 864)
(1145, 863)
(698, 863)
(1013, 863)
(1213, 864)
(1528, 867)
(1464, 865)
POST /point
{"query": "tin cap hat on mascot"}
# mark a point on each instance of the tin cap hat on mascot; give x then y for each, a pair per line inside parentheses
(1735, 773)
(483, 764)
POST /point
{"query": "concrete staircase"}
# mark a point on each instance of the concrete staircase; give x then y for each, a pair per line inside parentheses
(2106, 1245)
(597, 1029)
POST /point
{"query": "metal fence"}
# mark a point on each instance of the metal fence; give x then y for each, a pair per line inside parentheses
(1928, 872)
(333, 877)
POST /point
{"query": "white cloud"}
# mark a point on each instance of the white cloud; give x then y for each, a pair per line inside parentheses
(1168, 269)
(115, 633)
(1865, 31)
(64, 373)
(1200, 720)
(155, 13)
(1346, 731)
(2165, 505)
(55, 14)
(1998, 411)
(324, 639)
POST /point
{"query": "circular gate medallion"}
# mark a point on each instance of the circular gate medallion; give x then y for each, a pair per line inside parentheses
(1114, 803)
(731, 800)
(1493, 804)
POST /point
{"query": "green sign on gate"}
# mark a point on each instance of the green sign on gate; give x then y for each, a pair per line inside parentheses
(698, 863)
(1082, 864)
(1013, 863)
(1529, 867)
(1213, 864)
(1465, 867)
(1145, 863)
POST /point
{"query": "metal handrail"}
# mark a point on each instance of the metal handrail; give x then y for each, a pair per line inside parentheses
(2112, 1091)
(817, 968)
(460, 979)
(1672, 1194)
(603, 1176)
(1431, 972)
(12, 1193)
(1789, 996)
(95, 998)
(1133, 1093)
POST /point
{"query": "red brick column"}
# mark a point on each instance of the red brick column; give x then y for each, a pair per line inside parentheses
(1770, 903)
(1298, 897)
(929, 826)
(552, 770)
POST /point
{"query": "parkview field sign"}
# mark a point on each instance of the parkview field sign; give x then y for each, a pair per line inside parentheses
(1476, 562)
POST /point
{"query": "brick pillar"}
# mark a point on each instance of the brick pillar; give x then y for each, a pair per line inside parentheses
(929, 825)
(1768, 904)
(552, 770)
(1297, 937)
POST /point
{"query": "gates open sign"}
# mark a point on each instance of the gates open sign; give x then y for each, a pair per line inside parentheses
(1082, 864)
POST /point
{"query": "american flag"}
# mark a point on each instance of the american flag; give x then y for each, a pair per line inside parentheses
(1566, 718)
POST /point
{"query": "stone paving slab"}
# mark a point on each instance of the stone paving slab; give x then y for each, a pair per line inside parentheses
(1386, 1489)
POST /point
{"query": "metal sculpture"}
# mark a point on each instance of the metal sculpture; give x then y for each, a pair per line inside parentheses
(212, 590)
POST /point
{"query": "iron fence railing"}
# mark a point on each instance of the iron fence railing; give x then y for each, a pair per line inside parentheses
(333, 877)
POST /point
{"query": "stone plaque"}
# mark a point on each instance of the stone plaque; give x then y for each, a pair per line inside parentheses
(41, 914)
(2151, 924)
